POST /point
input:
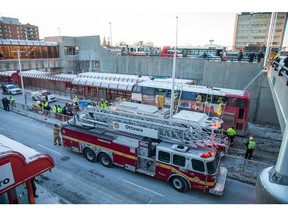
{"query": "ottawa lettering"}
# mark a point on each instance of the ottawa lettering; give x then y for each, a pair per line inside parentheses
(5, 181)
(128, 127)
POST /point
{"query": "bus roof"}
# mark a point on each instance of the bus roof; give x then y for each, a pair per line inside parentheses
(192, 88)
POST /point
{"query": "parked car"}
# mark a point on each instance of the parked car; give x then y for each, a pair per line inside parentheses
(41, 95)
(11, 89)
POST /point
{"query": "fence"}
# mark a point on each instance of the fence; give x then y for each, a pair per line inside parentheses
(38, 114)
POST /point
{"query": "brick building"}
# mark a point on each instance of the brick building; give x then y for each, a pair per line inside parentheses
(11, 28)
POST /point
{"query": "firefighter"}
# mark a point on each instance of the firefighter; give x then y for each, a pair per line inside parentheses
(198, 102)
(59, 110)
(45, 103)
(12, 102)
(106, 105)
(160, 101)
(56, 131)
(231, 134)
(37, 106)
(55, 108)
(75, 99)
(251, 145)
(276, 59)
(102, 104)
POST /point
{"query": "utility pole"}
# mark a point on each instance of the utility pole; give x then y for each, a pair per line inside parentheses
(173, 73)
(20, 72)
(110, 33)
(58, 31)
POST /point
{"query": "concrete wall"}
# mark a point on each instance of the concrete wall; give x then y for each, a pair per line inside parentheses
(279, 86)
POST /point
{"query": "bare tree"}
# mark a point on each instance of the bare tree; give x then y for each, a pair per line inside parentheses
(104, 43)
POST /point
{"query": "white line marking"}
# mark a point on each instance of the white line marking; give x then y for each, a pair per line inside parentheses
(143, 188)
(2, 128)
(49, 149)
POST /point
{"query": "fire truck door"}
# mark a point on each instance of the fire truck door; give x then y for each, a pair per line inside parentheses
(163, 165)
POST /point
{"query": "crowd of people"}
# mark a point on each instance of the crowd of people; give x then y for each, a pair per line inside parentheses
(251, 56)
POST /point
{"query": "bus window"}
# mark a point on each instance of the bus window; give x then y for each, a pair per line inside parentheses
(160, 91)
(236, 102)
(241, 114)
(188, 95)
(136, 89)
(148, 91)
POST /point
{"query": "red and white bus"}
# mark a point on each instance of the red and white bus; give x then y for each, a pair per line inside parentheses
(19, 164)
(234, 103)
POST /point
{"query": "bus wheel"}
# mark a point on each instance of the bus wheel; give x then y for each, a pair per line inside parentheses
(90, 155)
(105, 160)
(179, 184)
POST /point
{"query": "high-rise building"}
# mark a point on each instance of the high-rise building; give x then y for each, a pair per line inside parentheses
(11, 28)
(251, 29)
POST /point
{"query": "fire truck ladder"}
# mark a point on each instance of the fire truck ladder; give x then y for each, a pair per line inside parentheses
(178, 131)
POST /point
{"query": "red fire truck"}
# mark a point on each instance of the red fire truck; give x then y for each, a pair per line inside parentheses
(19, 164)
(123, 136)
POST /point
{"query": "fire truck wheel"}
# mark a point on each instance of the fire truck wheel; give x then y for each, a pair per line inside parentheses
(179, 184)
(105, 160)
(90, 155)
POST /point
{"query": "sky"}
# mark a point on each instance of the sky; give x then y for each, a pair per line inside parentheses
(133, 20)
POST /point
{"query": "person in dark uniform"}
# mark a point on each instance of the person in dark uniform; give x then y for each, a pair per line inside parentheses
(34, 188)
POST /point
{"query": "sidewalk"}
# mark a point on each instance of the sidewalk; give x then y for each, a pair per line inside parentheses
(46, 197)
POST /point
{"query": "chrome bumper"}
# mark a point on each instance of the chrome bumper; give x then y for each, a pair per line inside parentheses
(220, 184)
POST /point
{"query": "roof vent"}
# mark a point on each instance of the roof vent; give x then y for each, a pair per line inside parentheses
(180, 148)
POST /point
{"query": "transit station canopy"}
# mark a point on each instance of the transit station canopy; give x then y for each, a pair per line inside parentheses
(7, 73)
(126, 86)
(48, 75)
(108, 80)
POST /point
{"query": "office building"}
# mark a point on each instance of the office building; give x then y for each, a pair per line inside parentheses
(11, 28)
(251, 29)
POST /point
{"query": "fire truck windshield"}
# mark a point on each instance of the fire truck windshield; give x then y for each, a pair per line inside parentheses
(213, 165)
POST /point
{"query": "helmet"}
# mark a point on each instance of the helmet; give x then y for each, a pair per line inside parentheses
(251, 138)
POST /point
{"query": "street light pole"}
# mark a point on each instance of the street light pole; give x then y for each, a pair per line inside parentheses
(173, 73)
(110, 33)
(59, 31)
(20, 72)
